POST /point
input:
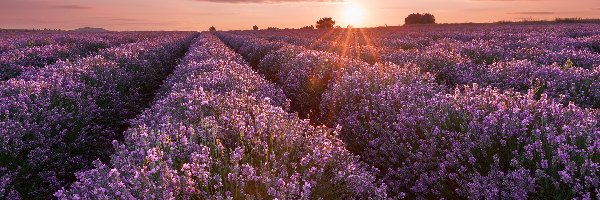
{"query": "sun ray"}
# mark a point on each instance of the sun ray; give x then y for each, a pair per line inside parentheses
(320, 38)
(346, 42)
(369, 43)
(336, 41)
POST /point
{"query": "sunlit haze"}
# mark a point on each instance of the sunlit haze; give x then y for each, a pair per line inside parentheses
(354, 15)
(243, 14)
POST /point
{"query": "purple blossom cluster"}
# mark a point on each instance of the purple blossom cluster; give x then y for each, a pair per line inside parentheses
(220, 131)
(55, 121)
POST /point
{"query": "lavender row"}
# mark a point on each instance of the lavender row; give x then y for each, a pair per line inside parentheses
(473, 143)
(255, 50)
(26, 39)
(557, 36)
(427, 143)
(220, 132)
(563, 82)
(465, 64)
(575, 43)
(57, 120)
(305, 75)
(14, 62)
(482, 47)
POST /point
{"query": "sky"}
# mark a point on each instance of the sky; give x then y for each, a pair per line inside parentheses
(123, 15)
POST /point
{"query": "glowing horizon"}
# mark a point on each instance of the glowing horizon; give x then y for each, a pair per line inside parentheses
(243, 14)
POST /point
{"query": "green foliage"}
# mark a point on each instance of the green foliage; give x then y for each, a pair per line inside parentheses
(418, 18)
(325, 23)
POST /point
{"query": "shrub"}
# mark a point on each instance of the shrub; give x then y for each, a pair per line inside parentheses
(418, 18)
(325, 23)
(311, 27)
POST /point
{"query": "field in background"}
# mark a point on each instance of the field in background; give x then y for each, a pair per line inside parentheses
(494, 111)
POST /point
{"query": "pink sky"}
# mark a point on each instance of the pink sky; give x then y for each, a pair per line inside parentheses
(243, 14)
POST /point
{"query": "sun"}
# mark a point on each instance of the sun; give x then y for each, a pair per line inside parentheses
(354, 14)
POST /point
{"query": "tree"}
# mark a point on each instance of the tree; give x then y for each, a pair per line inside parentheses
(325, 23)
(420, 19)
(212, 28)
(255, 28)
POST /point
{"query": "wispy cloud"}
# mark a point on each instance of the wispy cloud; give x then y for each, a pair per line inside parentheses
(31, 20)
(508, 0)
(216, 13)
(147, 23)
(267, 1)
(128, 20)
(534, 13)
(73, 7)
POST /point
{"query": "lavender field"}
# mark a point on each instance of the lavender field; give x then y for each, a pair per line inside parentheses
(481, 111)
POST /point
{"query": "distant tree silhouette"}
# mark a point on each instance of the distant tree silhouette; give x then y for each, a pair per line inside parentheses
(273, 28)
(325, 23)
(255, 28)
(212, 28)
(308, 27)
(418, 18)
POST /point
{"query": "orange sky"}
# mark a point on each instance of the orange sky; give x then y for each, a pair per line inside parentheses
(243, 14)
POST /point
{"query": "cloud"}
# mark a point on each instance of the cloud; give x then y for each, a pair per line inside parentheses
(128, 20)
(156, 23)
(216, 13)
(534, 13)
(267, 1)
(73, 7)
(31, 20)
(508, 0)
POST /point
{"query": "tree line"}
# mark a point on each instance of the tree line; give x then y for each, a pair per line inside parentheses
(328, 22)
